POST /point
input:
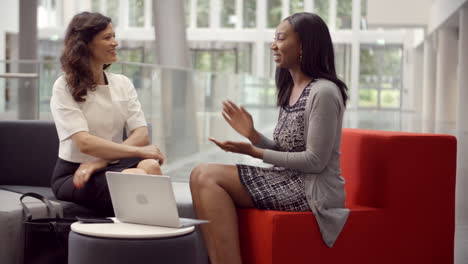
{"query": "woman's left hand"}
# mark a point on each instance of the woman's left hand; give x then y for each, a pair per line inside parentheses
(239, 147)
(84, 172)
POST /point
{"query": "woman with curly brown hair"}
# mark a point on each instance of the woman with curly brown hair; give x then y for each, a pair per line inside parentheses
(91, 108)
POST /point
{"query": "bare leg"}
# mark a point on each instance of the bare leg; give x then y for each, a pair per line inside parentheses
(151, 166)
(134, 171)
(216, 191)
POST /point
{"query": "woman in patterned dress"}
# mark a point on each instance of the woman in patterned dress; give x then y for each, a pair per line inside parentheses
(303, 53)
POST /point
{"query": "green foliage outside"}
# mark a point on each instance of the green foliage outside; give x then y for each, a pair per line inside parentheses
(274, 13)
(203, 13)
(344, 11)
(321, 8)
(296, 6)
(250, 13)
(228, 10)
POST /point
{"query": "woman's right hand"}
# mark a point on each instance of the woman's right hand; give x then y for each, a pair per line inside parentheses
(240, 120)
(151, 152)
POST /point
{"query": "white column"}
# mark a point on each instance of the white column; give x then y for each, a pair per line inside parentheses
(176, 93)
(462, 121)
(332, 15)
(429, 74)
(240, 14)
(309, 6)
(28, 94)
(416, 89)
(285, 12)
(259, 48)
(446, 82)
(193, 14)
(215, 14)
(171, 40)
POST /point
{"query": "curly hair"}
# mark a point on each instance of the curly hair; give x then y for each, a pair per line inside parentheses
(76, 57)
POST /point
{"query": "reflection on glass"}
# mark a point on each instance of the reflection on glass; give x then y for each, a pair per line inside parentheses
(228, 14)
(321, 8)
(296, 6)
(203, 13)
(250, 9)
(273, 13)
(136, 11)
(113, 11)
(344, 11)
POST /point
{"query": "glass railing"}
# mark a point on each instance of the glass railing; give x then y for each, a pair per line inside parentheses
(184, 108)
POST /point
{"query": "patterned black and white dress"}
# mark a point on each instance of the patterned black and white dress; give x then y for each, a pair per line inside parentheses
(279, 188)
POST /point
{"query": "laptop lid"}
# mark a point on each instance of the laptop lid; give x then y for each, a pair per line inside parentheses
(143, 199)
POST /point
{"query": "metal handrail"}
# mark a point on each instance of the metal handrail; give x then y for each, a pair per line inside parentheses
(19, 75)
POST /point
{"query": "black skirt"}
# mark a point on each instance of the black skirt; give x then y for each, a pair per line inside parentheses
(95, 193)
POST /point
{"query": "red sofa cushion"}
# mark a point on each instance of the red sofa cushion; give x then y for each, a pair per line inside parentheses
(401, 192)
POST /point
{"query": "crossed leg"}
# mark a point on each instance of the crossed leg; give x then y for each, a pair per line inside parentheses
(216, 192)
(147, 166)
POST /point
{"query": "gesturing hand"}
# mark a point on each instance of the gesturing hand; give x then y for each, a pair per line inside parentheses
(85, 170)
(152, 152)
(239, 147)
(239, 119)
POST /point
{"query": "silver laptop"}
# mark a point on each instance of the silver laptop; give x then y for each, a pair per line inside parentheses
(145, 199)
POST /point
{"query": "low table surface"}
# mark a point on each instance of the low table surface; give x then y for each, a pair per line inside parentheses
(128, 230)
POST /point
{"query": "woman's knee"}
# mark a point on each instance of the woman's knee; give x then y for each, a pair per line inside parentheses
(201, 175)
(151, 166)
(134, 171)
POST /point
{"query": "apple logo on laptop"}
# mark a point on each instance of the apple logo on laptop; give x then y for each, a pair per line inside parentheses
(141, 198)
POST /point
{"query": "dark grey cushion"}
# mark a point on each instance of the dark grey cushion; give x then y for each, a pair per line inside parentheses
(29, 149)
(69, 209)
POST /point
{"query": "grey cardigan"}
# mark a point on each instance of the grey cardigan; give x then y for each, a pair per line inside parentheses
(320, 162)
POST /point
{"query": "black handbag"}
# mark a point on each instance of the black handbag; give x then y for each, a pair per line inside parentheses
(45, 239)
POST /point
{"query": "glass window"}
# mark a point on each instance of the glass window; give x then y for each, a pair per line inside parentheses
(321, 8)
(390, 98)
(203, 13)
(380, 79)
(296, 6)
(270, 65)
(344, 11)
(202, 60)
(274, 13)
(250, 15)
(136, 9)
(47, 13)
(343, 62)
(187, 6)
(228, 14)
(368, 98)
(96, 5)
(363, 21)
(226, 61)
(113, 11)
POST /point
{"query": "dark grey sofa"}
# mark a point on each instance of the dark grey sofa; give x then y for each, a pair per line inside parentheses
(28, 151)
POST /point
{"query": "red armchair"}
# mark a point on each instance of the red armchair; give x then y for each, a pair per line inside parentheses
(401, 191)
